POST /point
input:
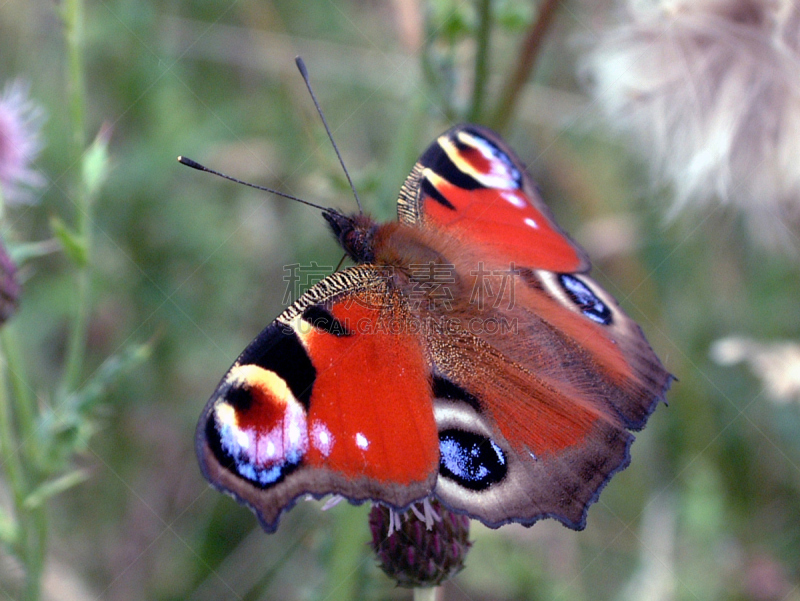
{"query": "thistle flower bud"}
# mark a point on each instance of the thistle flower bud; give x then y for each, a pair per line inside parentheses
(420, 548)
(9, 287)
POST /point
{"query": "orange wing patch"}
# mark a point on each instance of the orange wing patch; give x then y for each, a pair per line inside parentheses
(371, 409)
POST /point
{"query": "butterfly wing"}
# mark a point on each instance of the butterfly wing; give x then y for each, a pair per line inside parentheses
(534, 413)
(331, 398)
(471, 185)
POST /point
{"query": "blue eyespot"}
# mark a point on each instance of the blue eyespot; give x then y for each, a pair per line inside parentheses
(473, 461)
(580, 294)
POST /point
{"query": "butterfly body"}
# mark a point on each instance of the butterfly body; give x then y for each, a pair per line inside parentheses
(467, 355)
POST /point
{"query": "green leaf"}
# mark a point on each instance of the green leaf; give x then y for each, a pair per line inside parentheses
(451, 20)
(73, 244)
(9, 532)
(67, 429)
(22, 252)
(514, 16)
(95, 165)
(61, 434)
(51, 488)
(106, 376)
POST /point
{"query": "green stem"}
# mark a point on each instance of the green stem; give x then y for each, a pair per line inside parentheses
(8, 443)
(31, 524)
(525, 63)
(73, 33)
(37, 545)
(481, 60)
(347, 556)
(77, 340)
(425, 594)
(439, 85)
(24, 401)
(73, 26)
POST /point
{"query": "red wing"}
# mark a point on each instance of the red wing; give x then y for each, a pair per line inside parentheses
(331, 398)
(470, 184)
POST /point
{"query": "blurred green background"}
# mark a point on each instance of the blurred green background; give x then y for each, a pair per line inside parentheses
(709, 508)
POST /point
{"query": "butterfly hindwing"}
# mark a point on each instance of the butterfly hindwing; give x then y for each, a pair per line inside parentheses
(535, 397)
(332, 397)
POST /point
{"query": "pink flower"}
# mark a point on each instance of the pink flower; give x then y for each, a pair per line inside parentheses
(20, 143)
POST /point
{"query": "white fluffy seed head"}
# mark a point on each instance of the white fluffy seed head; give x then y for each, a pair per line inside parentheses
(709, 90)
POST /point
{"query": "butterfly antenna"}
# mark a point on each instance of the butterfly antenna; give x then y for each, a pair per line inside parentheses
(304, 72)
(195, 165)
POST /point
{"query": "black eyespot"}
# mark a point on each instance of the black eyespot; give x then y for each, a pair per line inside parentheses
(322, 319)
(236, 460)
(591, 306)
(473, 461)
(239, 398)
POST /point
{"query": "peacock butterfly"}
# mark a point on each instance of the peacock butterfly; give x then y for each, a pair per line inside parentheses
(466, 356)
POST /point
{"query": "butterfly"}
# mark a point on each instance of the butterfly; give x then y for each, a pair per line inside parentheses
(467, 356)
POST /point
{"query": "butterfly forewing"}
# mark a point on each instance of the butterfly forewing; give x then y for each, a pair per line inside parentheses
(331, 398)
(472, 186)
